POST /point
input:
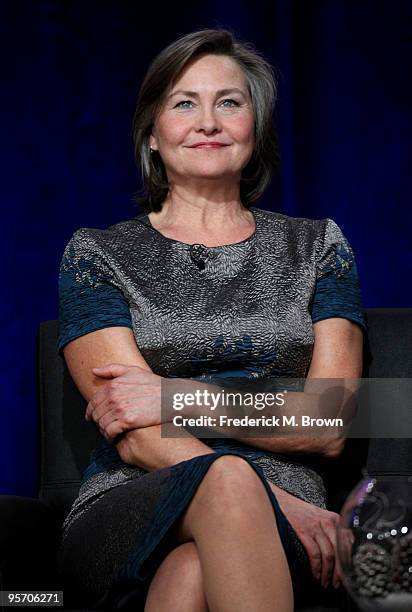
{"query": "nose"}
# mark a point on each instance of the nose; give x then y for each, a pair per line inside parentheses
(207, 120)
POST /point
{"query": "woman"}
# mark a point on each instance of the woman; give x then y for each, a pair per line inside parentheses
(204, 286)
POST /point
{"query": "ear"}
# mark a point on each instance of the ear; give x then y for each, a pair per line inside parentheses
(153, 142)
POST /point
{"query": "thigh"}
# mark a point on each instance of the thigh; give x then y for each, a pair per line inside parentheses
(227, 482)
(100, 539)
(178, 582)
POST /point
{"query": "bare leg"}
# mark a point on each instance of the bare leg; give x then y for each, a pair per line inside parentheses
(232, 522)
(177, 585)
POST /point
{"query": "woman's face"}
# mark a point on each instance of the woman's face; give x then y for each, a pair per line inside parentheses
(205, 129)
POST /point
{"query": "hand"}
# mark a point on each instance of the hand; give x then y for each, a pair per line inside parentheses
(316, 529)
(130, 399)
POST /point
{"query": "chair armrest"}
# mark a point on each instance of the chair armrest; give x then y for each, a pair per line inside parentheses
(29, 538)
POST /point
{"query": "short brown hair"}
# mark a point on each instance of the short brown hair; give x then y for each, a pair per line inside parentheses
(164, 71)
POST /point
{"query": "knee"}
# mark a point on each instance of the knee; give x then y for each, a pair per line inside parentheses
(230, 478)
(232, 468)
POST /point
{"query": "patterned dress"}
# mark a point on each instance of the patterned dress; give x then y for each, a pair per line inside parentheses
(246, 313)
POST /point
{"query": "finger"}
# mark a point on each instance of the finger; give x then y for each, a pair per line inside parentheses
(94, 402)
(112, 370)
(114, 429)
(98, 411)
(328, 556)
(109, 417)
(337, 574)
(125, 410)
(330, 528)
(107, 391)
(106, 430)
(314, 554)
(89, 410)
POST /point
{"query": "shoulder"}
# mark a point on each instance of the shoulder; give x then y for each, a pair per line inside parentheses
(119, 237)
(303, 231)
(295, 224)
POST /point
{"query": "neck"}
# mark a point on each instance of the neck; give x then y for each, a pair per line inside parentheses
(203, 209)
(203, 220)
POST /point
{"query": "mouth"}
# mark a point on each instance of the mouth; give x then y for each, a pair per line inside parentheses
(209, 145)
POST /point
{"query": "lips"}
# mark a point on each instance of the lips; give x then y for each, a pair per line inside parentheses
(208, 145)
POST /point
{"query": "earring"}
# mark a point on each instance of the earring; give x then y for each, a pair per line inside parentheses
(151, 151)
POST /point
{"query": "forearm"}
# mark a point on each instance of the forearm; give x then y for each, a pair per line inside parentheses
(299, 438)
(279, 428)
(146, 448)
(292, 444)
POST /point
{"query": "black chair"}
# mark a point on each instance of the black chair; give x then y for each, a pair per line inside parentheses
(30, 528)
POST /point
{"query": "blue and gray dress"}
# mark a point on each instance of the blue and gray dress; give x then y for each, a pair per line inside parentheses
(247, 315)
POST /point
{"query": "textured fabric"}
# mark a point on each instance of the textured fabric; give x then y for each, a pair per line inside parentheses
(111, 554)
(189, 322)
(89, 298)
(247, 315)
(107, 470)
(337, 285)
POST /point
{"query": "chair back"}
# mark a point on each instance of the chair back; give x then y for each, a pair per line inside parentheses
(66, 438)
(389, 355)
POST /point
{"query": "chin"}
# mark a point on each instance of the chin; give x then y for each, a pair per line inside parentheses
(213, 172)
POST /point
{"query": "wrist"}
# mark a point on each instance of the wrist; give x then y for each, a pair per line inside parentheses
(124, 444)
(332, 447)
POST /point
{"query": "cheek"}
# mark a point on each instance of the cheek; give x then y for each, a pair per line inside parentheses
(171, 132)
(245, 130)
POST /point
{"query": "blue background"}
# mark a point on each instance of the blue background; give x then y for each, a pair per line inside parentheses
(71, 74)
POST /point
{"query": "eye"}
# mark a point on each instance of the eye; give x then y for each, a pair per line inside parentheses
(182, 104)
(231, 103)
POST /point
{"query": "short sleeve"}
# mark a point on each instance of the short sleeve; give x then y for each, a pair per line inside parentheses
(337, 290)
(90, 295)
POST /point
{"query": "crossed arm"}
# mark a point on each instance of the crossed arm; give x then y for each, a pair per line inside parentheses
(143, 447)
(337, 354)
